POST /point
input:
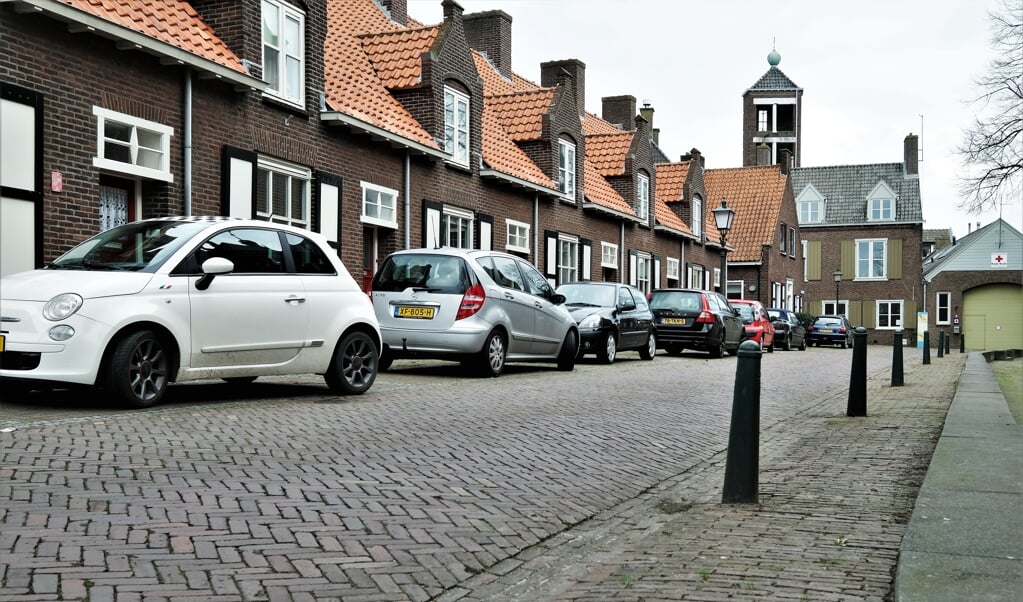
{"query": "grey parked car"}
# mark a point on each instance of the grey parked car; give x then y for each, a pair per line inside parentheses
(482, 308)
(788, 332)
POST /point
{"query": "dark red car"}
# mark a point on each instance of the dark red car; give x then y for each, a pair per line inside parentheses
(756, 323)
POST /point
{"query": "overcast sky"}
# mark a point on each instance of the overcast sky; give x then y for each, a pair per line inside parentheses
(868, 71)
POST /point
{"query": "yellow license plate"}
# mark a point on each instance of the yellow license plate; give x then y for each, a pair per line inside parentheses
(827, 330)
(1, 343)
(416, 312)
(674, 321)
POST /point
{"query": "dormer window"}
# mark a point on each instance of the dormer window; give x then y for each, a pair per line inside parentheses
(642, 196)
(284, 51)
(566, 168)
(456, 126)
(810, 204)
(697, 216)
(881, 203)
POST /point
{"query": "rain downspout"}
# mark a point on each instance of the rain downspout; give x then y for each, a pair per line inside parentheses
(408, 201)
(536, 230)
(187, 127)
(621, 255)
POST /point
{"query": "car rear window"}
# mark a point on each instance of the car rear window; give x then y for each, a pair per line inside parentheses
(676, 301)
(828, 321)
(428, 272)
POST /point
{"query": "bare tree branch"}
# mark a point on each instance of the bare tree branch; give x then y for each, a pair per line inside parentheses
(992, 148)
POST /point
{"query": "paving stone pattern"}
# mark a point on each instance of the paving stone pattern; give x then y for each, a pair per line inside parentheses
(600, 484)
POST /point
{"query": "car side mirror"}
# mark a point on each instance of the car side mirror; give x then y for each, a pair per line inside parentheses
(557, 298)
(211, 268)
(628, 307)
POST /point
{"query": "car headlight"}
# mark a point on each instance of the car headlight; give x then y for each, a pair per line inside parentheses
(590, 321)
(62, 306)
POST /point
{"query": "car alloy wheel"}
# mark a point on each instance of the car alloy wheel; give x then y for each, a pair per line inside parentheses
(354, 366)
(566, 359)
(650, 350)
(609, 349)
(138, 370)
(490, 361)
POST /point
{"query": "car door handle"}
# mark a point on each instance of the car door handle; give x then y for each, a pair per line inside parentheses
(509, 296)
(538, 304)
(294, 299)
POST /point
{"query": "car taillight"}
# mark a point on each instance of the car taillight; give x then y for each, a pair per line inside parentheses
(472, 301)
(705, 317)
(842, 330)
(809, 329)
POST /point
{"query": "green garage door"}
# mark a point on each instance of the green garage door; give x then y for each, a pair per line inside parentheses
(993, 317)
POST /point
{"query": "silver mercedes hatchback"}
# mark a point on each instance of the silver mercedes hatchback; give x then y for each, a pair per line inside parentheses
(481, 308)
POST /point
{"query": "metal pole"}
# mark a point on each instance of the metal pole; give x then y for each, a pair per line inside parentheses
(724, 268)
(897, 371)
(941, 343)
(962, 343)
(948, 341)
(857, 405)
(743, 461)
(927, 347)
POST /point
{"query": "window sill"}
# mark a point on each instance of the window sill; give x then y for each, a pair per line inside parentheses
(459, 166)
(285, 105)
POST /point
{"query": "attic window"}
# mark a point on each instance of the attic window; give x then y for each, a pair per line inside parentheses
(566, 167)
(456, 126)
(881, 209)
(697, 216)
(642, 196)
(284, 51)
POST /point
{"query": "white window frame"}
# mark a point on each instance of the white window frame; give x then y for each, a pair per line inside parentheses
(608, 255)
(291, 171)
(716, 280)
(146, 139)
(762, 122)
(901, 315)
(881, 209)
(566, 168)
(943, 303)
(866, 261)
(672, 269)
(642, 196)
(805, 270)
(811, 212)
(381, 201)
(644, 265)
(830, 310)
(289, 52)
(784, 236)
(450, 220)
(792, 241)
(517, 236)
(568, 259)
(457, 126)
(697, 216)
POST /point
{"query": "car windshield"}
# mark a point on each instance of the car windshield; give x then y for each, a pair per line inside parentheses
(136, 247)
(746, 311)
(676, 301)
(595, 295)
(775, 314)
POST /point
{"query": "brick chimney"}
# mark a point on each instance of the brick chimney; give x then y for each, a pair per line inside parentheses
(452, 10)
(785, 160)
(763, 154)
(911, 158)
(573, 68)
(647, 111)
(694, 154)
(490, 33)
(398, 9)
(619, 110)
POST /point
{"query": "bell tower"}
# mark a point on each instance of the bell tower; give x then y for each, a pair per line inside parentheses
(772, 111)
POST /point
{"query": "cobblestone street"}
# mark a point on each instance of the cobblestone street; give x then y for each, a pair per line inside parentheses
(536, 485)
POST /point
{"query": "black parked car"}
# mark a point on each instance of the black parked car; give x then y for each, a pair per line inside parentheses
(830, 330)
(612, 317)
(695, 319)
(788, 332)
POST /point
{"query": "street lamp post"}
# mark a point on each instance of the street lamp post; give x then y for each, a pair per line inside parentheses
(723, 216)
(838, 279)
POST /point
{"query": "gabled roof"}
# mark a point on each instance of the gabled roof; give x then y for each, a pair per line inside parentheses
(521, 113)
(1000, 237)
(607, 152)
(846, 189)
(352, 85)
(602, 194)
(501, 153)
(756, 194)
(396, 56)
(671, 178)
(169, 28)
(774, 80)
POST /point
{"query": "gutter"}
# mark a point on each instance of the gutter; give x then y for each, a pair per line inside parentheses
(129, 39)
(602, 209)
(338, 118)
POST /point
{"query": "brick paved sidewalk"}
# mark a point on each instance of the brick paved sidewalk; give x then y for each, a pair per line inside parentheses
(836, 495)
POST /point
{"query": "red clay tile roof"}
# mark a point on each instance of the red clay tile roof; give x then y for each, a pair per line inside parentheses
(671, 178)
(607, 152)
(521, 113)
(666, 217)
(494, 82)
(600, 192)
(502, 154)
(595, 125)
(396, 55)
(756, 194)
(352, 84)
(173, 22)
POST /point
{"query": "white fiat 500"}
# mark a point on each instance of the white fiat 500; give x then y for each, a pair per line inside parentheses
(185, 298)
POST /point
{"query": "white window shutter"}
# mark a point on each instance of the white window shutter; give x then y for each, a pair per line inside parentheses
(330, 210)
(431, 224)
(587, 260)
(657, 272)
(632, 268)
(552, 253)
(241, 175)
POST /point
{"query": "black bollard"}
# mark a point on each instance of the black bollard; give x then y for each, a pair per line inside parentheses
(927, 347)
(962, 343)
(948, 341)
(743, 461)
(857, 405)
(941, 343)
(897, 375)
